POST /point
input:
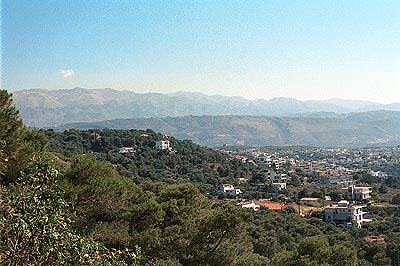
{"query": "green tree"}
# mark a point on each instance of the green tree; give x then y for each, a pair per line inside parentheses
(295, 180)
(102, 200)
(339, 255)
(3, 159)
(317, 251)
(383, 189)
(251, 259)
(11, 129)
(396, 199)
(177, 221)
(18, 144)
(35, 225)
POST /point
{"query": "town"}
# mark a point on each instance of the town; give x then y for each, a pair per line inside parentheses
(336, 183)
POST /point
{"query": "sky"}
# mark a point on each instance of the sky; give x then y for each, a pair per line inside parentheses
(305, 49)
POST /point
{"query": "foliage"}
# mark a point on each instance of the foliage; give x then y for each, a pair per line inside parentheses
(166, 221)
(17, 143)
(317, 251)
(35, 225)
(396, 199)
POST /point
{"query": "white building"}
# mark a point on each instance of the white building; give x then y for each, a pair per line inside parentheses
(251, 205)
(126, 150)
(359, 193)
(278, 163)
(279, 178)
(270, 175)
(264, 159)
(338, 179)
(305, 167)
(273, 177)
(345, 213)
(229, 190)
(162, 144)
(377, 174)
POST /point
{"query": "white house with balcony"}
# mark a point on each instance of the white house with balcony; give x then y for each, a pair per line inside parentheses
(345, 213)
(359, 193)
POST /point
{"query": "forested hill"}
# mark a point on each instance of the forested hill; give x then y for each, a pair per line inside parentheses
(378, 128)
(183, 162)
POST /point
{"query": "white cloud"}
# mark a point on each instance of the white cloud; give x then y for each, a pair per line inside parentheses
(66, 72)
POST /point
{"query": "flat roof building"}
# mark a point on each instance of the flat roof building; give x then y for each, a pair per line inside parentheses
(359, 193)
(345, 213)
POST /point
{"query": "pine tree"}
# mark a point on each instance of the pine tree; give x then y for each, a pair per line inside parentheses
(17, 143)
(11, 129)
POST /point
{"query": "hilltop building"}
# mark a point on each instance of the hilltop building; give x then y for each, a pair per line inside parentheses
(163, 144)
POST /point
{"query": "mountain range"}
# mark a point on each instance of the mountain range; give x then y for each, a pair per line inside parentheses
(216, 120)
(50, 108)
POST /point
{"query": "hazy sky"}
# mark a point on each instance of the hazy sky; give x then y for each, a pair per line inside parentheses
(257, 49)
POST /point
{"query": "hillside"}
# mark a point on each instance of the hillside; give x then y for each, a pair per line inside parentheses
(381, 128)
(49, 108)
(185, 162)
